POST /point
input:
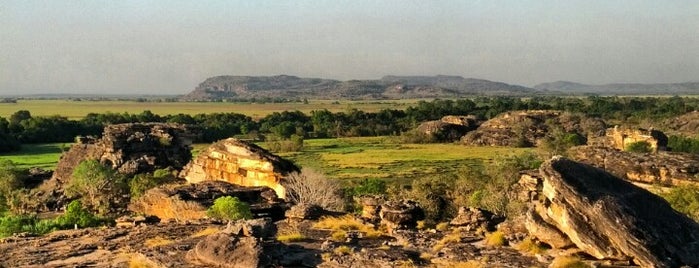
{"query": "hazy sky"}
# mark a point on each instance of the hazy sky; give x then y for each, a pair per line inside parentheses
(169, 47)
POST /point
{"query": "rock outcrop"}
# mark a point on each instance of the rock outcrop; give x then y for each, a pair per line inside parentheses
(610, 218)
(527, 128)
(190, 201)
(472, 218)
(240, 163)
(620, 138)
(402, 214)
(662, 168)
(686, 124)
(449, 128)
(128, 148)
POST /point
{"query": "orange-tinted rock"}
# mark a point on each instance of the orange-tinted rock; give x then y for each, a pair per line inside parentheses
(240, 163)
(620, 138)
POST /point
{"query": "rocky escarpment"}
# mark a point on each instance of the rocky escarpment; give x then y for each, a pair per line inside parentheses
(128, 148)
(610, 218)
(240, 163)
(393, 87)
(527, 128)
(662, 168)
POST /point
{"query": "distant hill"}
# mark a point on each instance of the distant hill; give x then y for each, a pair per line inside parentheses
(622, 88)
(388, 87)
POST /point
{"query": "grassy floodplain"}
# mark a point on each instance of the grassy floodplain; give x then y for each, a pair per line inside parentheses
(77, 109)
(342, 158)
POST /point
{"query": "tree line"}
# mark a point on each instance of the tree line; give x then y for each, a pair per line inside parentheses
(22, 127)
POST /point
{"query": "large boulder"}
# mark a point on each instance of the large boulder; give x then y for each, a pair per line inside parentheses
(449, 128)
(608, 217)
(130, 149)
(472, 218)
(239, 162)
(402, 214)
(190, 201)
(230, 250)
(662, 168)
(527, 128)
(621, 137)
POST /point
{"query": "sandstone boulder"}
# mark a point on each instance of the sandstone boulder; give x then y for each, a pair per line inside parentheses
(402, 214)
(449, 128)
(608, 217)
(240, 163)
(128, 148)
(621, 137)
(229, 250)
(662, 168)
(527, 128)
(472, 218)
(305, 212)
(190, 201)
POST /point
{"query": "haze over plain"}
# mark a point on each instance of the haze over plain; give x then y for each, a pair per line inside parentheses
(164, 47)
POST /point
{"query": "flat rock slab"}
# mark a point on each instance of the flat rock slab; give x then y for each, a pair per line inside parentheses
(611, 218)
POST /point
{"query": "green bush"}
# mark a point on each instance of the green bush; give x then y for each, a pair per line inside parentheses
(684, 199)
(141, 183)
(370, 187)
(75, 214)
(638, 147)
(229, 208)
(98, 186)
(683, 144)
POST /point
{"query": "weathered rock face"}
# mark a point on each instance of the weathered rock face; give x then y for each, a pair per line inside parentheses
(190, 201)
(128, 148)
(620, 138)
(608, 217)
(526, 128)
(230, 250)
(473, 218)
(686, 124)
(450, 127)
(401, 214)
(240, 163)
(662, 168)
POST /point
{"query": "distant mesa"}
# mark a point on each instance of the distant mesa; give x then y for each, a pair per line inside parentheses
(388, 87)
(621, 88)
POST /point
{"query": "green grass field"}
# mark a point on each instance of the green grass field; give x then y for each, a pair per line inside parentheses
(344, 158)
(78, 109)
(37, 155)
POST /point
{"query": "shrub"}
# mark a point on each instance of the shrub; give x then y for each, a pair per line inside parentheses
(495, 239)
(229, 208)
(370, 187)
(638, 147)
(97, 185)
(141, 183)
(10, 181)
(684, 199)
(416, 136)
(292, 237)
(683, 144)
(76, 214)
(311, 187)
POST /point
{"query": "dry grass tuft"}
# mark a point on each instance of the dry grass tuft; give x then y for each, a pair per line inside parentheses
(205, 232)
(139, 261)
(442, 226)
(568, 262)
(291, 237)
(447, 239)
(342, 250)
(158, 241)
(530, 246)
(495, 239)
(347, 223)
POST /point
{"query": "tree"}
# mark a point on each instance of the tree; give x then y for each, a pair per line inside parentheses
(10, 181)
(313, 188)
(97, 185)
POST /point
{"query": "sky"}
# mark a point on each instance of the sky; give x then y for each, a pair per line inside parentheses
(168, 47)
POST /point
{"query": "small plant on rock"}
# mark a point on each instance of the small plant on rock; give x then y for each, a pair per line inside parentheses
(229, 208)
